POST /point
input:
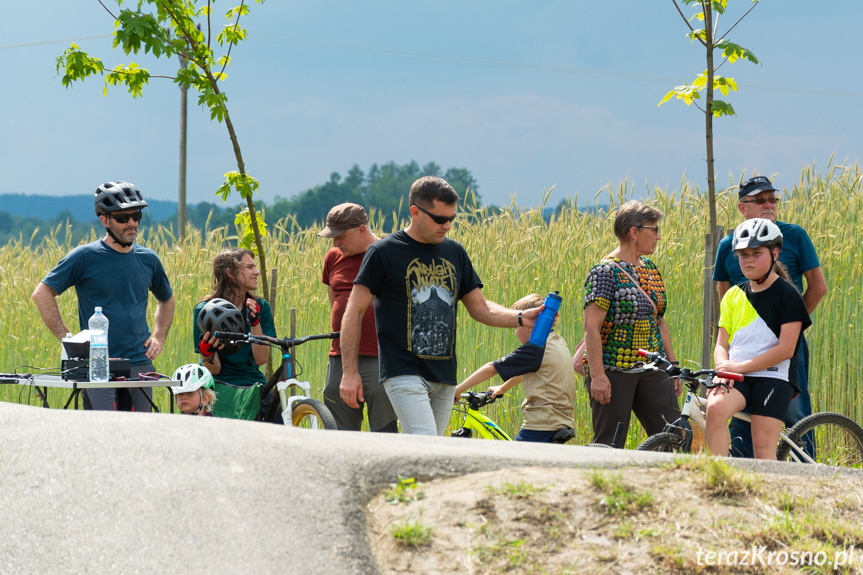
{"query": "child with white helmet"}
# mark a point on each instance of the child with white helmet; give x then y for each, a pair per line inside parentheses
(195, 395)
(761, 323)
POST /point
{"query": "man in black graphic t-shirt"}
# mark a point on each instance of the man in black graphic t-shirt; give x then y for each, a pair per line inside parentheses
(417, 277)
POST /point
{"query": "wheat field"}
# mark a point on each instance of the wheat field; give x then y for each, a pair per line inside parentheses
(515, 253)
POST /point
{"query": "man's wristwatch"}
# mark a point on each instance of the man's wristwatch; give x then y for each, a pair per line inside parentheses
(520, 323)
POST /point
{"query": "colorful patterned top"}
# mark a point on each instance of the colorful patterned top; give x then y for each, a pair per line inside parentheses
(630, 323)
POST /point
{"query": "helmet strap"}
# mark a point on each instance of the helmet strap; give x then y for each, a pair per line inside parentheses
(767, 275)
(116, 239)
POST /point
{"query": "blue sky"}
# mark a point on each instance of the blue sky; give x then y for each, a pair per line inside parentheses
(527, 94)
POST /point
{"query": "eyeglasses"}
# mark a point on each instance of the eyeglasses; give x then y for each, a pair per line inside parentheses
(439, 220)
(124, 218)
(656, 228)
(761, 201)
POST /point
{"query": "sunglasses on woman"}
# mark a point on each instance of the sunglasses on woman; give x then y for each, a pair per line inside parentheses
(124, 218)
(439, 220)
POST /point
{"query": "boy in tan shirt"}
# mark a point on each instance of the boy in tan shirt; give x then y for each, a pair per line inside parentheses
(546, 375)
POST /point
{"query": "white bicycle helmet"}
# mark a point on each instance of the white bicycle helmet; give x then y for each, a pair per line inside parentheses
(193, 378)
(755, 233)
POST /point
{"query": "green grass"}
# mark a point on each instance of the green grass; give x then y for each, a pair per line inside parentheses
(404, 490)
(515, 253)
(412, 533)
(723, 479)
(617, 498)
(519, 490)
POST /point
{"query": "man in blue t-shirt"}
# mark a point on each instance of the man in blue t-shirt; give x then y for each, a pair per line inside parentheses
(758, 200)
(117, 274)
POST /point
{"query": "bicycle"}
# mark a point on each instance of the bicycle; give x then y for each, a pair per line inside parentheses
(476, 424)
(300, 410)
(838, 439)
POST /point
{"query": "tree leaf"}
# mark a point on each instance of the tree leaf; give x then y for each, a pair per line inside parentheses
(245, 230)
(734, 52)
(721, 108)
(697, 35)
(687, 93)
(75, 64)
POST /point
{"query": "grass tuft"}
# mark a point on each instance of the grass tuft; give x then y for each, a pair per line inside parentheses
(412, 533)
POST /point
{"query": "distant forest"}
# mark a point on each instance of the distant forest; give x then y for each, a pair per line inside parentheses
(382, 190)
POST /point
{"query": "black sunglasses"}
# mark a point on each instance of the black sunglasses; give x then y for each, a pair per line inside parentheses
(761, 201)
(439, 220)
(124, 218)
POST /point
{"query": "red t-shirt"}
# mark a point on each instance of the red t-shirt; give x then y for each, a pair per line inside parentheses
(339, 274)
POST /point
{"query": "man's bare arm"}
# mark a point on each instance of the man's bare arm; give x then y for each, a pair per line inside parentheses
(495, 315)
(816, 288)
(722, 288)
(161, 326)
(163, 319)
(45, 299)
(352, 321)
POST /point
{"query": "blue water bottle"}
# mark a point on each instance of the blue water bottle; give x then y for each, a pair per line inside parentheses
(546, 319)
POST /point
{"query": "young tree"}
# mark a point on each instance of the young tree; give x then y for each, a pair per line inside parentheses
(169, 28)
(709, 81)
(708, 12)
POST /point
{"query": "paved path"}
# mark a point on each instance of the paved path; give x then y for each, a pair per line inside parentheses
(95, 492)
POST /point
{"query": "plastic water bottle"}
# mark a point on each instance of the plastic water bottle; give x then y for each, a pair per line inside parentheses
(98, 326)
(546, 319)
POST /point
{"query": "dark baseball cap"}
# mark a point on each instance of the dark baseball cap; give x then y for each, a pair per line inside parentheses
(342, 218)
(754, 186)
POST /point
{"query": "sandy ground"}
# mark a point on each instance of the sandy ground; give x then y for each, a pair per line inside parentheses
(541, 520)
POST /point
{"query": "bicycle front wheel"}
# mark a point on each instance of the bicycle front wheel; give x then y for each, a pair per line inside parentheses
(838, 440)
(663, 442)
(312, 414)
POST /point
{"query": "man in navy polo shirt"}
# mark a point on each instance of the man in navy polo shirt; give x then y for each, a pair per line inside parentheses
(116, 274)
(758, 199)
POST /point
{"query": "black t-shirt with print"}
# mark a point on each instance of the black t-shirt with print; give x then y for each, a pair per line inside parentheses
(417, 287)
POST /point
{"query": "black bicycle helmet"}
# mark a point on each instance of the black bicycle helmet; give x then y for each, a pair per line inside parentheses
(221, 315)
(113, 197)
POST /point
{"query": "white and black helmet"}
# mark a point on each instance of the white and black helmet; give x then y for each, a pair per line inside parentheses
(113, 197)
(755, 233)
(192, 377)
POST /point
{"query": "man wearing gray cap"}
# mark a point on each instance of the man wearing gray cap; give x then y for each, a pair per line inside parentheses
(757, 199)
(348, 226)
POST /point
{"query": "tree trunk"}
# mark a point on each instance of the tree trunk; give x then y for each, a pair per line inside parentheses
(253, 213)
(181, 200)
(709, 292)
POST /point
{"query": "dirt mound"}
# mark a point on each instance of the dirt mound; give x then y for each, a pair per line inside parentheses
(690, 516)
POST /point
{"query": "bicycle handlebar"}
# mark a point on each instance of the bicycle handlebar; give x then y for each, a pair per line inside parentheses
(284, 343)
(661, 362)
(477, 399)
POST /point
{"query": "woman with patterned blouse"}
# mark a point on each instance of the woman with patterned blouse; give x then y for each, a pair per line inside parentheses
(620, 318)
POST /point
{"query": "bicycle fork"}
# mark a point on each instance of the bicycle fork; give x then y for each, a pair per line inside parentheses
(289, 382)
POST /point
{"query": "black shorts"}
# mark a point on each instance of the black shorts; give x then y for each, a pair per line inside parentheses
(766, 396)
